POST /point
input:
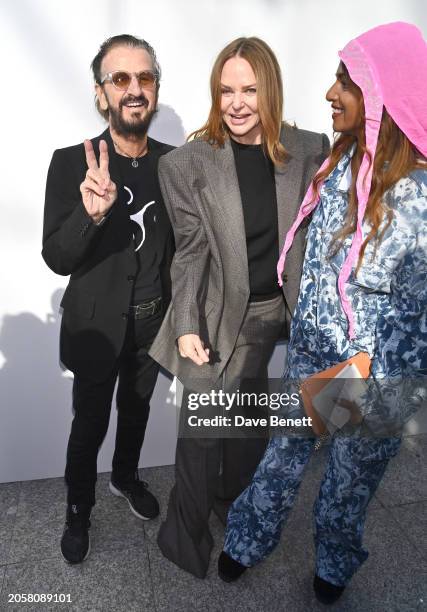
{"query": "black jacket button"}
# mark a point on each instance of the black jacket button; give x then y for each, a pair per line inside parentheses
(125, 315)
(131, 277)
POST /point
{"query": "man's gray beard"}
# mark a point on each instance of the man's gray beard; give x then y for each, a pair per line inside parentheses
(127, 128)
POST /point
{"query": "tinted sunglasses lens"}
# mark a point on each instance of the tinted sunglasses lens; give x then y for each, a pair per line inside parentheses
(146, 79)
(121, 80)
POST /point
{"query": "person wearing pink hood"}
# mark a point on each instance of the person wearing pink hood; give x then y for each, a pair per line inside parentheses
(363, 289)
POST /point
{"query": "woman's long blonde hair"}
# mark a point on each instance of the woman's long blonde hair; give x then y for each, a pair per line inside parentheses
(269, 95)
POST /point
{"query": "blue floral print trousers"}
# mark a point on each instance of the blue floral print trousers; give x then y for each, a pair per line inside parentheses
(354, 469)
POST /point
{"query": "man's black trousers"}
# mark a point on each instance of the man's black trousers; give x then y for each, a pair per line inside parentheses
(137, 375)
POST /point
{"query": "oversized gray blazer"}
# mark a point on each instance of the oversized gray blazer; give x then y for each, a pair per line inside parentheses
(210, 281)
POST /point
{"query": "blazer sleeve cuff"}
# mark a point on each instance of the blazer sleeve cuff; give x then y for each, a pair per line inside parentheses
(182, 331)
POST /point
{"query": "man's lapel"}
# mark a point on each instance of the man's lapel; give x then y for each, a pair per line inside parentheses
(113, 167)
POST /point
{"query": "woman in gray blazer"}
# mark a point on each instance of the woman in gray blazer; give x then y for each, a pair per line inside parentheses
(231, 193)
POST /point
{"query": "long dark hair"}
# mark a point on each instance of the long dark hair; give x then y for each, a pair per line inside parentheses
(395, 157)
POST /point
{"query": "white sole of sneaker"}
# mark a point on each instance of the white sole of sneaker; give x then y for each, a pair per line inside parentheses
(84, 558)
(118, 493)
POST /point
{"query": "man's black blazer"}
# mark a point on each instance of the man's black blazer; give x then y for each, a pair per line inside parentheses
(101, 260)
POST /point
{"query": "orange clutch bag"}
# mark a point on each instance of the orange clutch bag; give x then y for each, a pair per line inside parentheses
(317, 382)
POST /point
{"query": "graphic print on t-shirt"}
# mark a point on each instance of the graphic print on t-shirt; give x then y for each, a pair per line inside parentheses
(137, 220)
(141, 197)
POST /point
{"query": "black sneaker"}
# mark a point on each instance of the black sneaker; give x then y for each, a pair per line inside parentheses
(229, 569)
(142, 503)
(326, 592)
(75, 541)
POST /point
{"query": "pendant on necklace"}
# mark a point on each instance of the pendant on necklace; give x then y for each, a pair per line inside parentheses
(134, 163)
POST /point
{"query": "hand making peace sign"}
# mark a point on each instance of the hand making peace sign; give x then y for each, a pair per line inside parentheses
(98, 191)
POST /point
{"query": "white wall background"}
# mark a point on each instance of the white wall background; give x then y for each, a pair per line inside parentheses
(47, 102)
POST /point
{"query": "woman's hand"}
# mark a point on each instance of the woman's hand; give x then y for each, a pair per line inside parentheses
(190, 345)
(353, 408)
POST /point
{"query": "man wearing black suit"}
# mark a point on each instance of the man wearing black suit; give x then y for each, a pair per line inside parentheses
(105, 224)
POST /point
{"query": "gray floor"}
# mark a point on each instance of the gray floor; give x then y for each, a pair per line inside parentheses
(127, 572)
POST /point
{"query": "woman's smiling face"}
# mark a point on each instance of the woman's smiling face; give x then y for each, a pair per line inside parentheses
(239, 105)
(347, 103)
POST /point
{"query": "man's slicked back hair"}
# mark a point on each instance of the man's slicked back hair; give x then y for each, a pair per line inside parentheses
(121, 40)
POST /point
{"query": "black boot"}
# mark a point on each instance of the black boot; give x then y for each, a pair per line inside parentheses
(75, 541)
(229, 570)
(326, 592)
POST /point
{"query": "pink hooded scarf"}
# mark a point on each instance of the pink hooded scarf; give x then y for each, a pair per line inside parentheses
(389, 64)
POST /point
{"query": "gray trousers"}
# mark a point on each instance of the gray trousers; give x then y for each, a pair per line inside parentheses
(211, 472)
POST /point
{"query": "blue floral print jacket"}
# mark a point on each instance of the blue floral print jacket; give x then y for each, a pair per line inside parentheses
(388, 295)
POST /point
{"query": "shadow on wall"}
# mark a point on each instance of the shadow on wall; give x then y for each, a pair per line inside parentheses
(36, 402)
(31, 388)
(167, 126)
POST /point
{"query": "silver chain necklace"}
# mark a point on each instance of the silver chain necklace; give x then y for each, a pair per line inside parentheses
(135, 163)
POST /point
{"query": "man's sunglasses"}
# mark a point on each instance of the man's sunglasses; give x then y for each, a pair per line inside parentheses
(122, 79)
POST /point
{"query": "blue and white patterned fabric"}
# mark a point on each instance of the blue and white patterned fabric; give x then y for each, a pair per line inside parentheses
(389, 300)
(388, 296)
